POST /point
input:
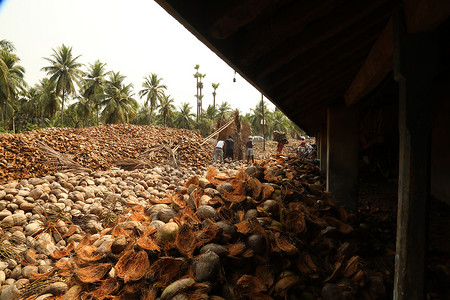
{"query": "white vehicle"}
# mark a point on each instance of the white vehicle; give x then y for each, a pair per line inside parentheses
(257, 139)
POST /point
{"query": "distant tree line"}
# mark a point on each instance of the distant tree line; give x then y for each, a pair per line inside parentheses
(77, 95)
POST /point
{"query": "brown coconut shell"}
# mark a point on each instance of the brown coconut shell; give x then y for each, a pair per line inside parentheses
(147, 241)
(132, 265)
(209, 233)
(92, 273)
(294, 221)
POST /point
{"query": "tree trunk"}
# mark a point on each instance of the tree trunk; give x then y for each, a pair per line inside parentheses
(62, 108)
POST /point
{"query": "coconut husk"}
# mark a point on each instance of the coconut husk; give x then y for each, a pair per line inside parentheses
(108, 287)
(164, 270)
(93, 273)
(185, 240)
(284, 245)
(132, 265)
(208, 234)
(147, 240)
(247, 285)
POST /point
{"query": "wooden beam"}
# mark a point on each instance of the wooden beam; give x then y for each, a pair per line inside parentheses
(343, 17)
(367, 28)
(285, 22)
(375, 68)
(323, 73)
(233, 15)
(421, 16)
(425, 15)
(331, 51)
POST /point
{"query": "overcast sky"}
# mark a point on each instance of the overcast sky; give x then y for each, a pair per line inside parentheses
(135, 37)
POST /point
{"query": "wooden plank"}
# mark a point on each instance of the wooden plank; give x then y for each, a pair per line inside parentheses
(375, 68)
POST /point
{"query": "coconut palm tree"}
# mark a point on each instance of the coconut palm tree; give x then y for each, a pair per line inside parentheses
(118, 102)
(49, 100)
(224, 110)
(65, 70)
(166, 108)
(11, 79)
(94, 84)
(215, 86)
(154, 90)
(184, 116)
(256, 119)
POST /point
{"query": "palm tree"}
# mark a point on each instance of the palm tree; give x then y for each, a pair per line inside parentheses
(48, 99)
(11, 78)
(64, 70)
(257, 117)
(210, 112)
(198, 76)
(224, 110)
(120, 106)
(94, 84)
(184, 117)
(154, 90)
(215, 86)
(166, 108)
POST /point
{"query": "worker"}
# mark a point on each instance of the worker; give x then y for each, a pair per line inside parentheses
(250, 152)
(229, 148)
(281, 144)
(219, 151)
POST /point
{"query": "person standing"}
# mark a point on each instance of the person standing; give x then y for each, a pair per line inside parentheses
(219, 151)
(250, 152)
(281, 145)
(229, 148)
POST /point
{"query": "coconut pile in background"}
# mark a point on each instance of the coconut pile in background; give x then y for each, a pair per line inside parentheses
(96, 148)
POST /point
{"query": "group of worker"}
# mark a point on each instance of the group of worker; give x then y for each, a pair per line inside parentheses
(225, 149)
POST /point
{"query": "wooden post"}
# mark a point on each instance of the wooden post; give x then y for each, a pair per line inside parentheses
(414, 68)
(342, 155)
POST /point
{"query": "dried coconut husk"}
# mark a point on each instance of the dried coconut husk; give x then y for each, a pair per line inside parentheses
(187, 216)
(341, 226)
(108, 287)
(165, 269)
(193, 180)
(236, 249)
(132, 265)
(178, 201)
(58, 254)
(306, 265)
(243, 227)
(248, 284)
(185, 240)
(255, 186)
(147, 241)
(316, 220)
(294, 221)
(209, 233)
(119, 231)
(266, 192)
(93, 273)
(85, 252)
(223, 213)
(265, 275)
(351, 266)
(284, 245)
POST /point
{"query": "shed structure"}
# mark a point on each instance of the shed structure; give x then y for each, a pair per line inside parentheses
(357, 75)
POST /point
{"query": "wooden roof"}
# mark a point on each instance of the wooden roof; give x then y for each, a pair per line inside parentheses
(305, 55)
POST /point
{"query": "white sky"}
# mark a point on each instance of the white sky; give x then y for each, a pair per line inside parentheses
(135, 37)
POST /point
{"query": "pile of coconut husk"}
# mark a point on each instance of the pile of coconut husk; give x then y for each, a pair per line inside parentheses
(263, 232)
(41, 152)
